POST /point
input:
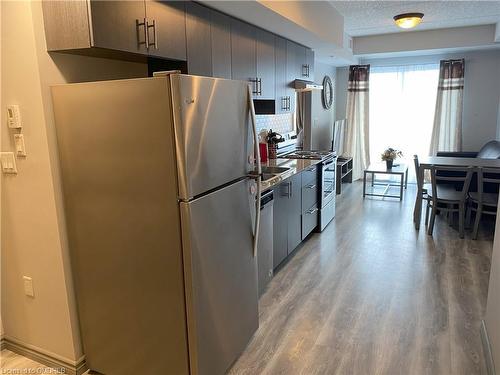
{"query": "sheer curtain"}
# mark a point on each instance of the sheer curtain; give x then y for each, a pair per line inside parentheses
(402, 106)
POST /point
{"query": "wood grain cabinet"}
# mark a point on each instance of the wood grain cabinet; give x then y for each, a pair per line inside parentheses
(221, 45)
(243, 53)
(198, 39)
(284, 92)
(265, 64)
(253, 58)
(309, 64)
(166, 21)
(153, 28)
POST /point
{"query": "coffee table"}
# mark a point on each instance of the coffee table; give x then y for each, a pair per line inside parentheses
(400, 169)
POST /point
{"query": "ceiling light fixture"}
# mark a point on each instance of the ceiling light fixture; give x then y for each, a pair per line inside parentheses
(408, 20)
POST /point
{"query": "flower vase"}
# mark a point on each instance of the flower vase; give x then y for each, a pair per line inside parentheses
(389, 163)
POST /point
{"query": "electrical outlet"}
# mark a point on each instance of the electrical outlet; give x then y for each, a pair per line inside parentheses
(8, 162)
(19, 145)
(28, 286)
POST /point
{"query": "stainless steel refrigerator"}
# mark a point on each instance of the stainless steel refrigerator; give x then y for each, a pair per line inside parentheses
(161, 219)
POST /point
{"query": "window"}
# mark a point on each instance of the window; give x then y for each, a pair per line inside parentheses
(402, 104)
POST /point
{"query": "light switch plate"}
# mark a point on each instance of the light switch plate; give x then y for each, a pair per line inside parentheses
(8, 162)
(28, 286)
(19, 145)
(14, 116)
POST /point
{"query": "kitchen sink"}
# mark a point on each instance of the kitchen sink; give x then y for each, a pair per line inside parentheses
(273, 175)
(274, 170)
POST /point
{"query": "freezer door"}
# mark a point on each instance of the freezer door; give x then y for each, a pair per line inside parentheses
(220, 276)
(212, 132)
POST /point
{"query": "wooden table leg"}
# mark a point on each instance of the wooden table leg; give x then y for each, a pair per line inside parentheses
(401, 187)
(417, 211)
(364, 184)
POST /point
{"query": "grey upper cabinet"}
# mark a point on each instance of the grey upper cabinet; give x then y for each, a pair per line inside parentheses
(310, 64)
(198, 39)
(243, 53)
(295, 58)
(166, 29)
(221, 45)
(282, 89)
(117, 25)
(265, 64)
(142, 27)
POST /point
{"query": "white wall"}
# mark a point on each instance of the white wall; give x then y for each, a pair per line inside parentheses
(33, 228)
(458, 38)
(481, 118)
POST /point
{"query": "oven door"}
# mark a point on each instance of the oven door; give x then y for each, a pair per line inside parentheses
(328, 181)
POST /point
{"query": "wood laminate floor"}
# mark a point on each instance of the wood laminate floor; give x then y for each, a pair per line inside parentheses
(371, 295)
(12, 363)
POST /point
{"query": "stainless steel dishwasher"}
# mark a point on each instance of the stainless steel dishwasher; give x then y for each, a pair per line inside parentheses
(265, 246)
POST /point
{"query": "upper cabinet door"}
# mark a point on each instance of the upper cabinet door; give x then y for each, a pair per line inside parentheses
(198, 38)
(167, 36)
(310, 64)
(243, 53)
(280, 75)
(265, 61)
(221, 45)
(294, 60)
(119, 25)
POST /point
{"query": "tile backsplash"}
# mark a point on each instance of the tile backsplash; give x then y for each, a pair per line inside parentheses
(282, 123)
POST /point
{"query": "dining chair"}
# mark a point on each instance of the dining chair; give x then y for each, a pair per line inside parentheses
(426, 188)
(448, 200)
(482, 202)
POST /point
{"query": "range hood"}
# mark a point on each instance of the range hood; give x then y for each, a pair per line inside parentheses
(301, 85)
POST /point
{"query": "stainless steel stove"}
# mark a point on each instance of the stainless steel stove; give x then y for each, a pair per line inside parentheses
(314, 155)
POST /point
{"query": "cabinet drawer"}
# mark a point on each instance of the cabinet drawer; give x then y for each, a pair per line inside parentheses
(310, 175)
(309, 220)
(309, 195)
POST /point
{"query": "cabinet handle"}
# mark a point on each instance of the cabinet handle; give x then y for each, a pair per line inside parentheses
(308, 70)
(255, 85)
(155, 40)
(259, 82)
(312, 186)
(138, 24)
(290, 189)
(304, 70)
(311, 211)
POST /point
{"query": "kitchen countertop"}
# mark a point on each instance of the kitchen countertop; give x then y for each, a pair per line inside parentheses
(296, 166)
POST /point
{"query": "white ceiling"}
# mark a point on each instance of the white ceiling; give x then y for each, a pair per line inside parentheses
(375, 17)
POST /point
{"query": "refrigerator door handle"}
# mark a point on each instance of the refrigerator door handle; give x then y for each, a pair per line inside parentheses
(259, 171)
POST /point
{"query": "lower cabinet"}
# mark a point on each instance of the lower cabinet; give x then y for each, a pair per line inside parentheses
(287, 220)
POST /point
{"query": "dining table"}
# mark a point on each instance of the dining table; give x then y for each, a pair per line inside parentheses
(445, 161)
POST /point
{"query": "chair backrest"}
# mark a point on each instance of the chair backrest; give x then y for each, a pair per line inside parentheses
(486, 175)
(417, 166)
(459, 175)
(490, 150)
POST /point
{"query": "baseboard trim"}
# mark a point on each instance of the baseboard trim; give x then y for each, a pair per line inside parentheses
(76, 368)
(488, 357)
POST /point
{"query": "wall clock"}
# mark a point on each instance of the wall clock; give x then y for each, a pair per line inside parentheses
(327, 92)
